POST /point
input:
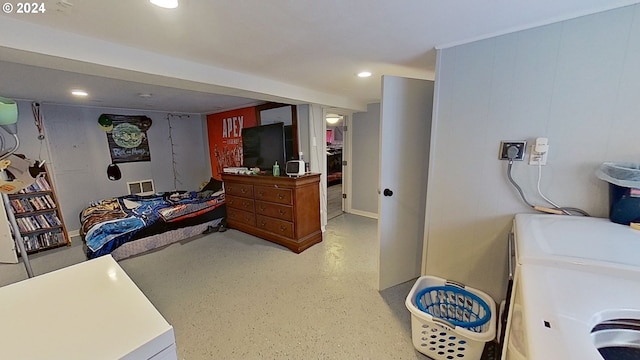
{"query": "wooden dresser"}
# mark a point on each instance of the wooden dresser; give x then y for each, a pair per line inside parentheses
(281, 209)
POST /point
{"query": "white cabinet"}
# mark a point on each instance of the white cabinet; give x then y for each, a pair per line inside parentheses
(91, 310)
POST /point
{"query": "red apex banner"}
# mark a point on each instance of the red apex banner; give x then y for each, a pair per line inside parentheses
(225, 138)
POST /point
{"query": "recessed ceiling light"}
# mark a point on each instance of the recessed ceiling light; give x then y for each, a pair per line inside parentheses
(78, 92)
(167, 4)
(364, 74)
(145, 95)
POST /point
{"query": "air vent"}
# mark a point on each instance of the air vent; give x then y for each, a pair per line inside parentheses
(142, 187)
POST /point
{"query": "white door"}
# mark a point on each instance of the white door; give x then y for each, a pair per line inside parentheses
(7, 246)
(405, 134)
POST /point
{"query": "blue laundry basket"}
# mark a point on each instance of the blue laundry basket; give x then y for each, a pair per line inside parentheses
(454, 304)
(450, 320)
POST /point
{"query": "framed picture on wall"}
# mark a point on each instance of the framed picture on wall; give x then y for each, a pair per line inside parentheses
(127, 137)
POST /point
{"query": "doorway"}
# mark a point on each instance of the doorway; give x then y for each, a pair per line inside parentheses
(335, 128)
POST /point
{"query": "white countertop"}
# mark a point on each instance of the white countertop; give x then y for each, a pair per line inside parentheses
(91, 310)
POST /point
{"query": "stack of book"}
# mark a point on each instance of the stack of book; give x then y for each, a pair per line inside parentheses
(38, 222)
(30, 204)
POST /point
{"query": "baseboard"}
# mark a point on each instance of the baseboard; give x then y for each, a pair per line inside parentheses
(364, 213)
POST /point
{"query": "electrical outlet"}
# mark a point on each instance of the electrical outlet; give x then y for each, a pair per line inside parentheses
(538, 152)
(537, 159)
(505, 145)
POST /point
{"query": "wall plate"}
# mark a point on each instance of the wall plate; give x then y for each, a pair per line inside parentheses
(521, 145)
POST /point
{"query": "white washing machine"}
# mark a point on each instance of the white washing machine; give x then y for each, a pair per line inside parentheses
(576, 290)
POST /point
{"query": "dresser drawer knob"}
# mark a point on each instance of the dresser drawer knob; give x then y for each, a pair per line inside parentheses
(244, 191)
(282, 228)
(281, 212)
(260, 193)
(262, 207)
(280, 196)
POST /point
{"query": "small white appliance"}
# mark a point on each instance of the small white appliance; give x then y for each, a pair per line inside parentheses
(295, 168)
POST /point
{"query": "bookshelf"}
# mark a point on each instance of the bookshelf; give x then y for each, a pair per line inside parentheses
(38, 216)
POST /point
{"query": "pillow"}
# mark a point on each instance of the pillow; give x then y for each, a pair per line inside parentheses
(213, 185)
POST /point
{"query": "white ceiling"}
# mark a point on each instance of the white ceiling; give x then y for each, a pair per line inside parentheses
(208, 56)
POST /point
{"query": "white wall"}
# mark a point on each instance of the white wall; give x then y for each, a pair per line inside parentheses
(79, 154)
(576, 82)
(318, 155)
(303, 131)
(365, 161)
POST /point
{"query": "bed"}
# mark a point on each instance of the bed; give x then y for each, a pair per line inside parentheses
(129, 225)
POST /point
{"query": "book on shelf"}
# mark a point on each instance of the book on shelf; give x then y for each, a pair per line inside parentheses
(21, 225)
(30, 243)
(42, 240)
(37, 223)
(44, 203)
(17, 206)
(27, 224)
(39, 184)
(41, 204)
(34, 203)
(33, 222)
(52, 204)
(43, 184)
(53, 219)
(25, 205)
(42, 221)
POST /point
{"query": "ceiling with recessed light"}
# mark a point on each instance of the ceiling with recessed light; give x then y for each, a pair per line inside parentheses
(209, 56)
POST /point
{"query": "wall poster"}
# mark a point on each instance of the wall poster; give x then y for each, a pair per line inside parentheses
(127, 137)
(225, 138)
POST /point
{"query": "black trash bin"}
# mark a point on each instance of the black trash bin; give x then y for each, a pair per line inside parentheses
(624, 191)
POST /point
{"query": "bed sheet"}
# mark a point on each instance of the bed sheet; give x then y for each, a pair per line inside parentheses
(108, 223)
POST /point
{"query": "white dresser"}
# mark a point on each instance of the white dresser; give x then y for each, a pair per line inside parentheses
(91, 310)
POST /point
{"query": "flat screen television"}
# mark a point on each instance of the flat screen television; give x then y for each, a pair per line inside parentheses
(263, 145)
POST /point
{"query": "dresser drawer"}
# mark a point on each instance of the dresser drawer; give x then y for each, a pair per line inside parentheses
(280, 227)
(274, 194)
(235, 189)
(282, 212)
(240, 217)
(239, 203)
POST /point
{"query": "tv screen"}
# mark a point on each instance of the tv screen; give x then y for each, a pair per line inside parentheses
(263, 145)
(288, 143)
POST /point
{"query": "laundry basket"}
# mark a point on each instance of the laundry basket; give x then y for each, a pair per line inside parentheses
(450, 320)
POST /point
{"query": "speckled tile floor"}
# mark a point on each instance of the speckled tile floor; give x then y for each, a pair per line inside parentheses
(233, 296)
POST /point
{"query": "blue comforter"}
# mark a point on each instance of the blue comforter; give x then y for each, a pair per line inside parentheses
(108, 223)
